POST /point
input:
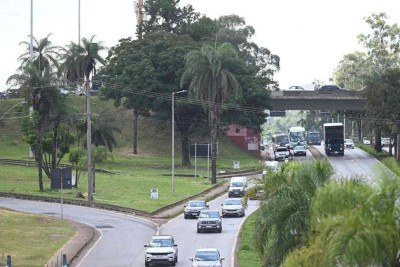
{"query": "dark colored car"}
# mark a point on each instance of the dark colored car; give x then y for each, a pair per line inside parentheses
(209, 220)
(331, 88)
(193, 208)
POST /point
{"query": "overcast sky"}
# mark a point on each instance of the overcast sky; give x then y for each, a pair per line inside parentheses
(310, 36)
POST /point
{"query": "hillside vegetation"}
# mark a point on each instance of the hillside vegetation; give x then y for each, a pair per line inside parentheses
(132, 176)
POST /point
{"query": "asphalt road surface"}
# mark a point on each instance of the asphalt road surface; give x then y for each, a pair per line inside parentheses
(357, 163)
(122, 239)
(123, 236)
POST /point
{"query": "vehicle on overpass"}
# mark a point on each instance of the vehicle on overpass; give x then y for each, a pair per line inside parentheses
(334, 138)
(314, 138)
(297, 139)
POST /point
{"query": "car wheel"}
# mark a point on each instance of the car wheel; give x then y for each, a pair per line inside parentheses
(173, 263)
(243, 214)
(185, 216)
(198, 230)
(147, 263)
(220, 230)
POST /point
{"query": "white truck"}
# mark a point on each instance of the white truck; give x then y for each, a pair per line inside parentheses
(237, 187)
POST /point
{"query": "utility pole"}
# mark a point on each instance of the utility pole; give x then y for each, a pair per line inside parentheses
(89, 143)
(79, 22)
(31, 41)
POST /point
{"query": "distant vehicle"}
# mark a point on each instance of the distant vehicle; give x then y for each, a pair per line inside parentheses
(334, 138)
(161, 249)
(281, 153)
(208, 257)
(237, 187)
(331, 88)
(233, 206)
(193, 208)
(209, 220)
(314, 138)
(279, 140)
(348, 143)
(385, 141)
(366, 141)
(297, 139)
(295, 88)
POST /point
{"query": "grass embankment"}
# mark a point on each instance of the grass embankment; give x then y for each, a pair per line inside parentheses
(389, 161)
(247, 254)
(134, 175)
(30, 239)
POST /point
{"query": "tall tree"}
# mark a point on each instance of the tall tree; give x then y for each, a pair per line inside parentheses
(45, 55)
(41, 92)
(207, 73)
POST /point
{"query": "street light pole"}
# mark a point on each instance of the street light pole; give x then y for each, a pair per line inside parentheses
(173, 138)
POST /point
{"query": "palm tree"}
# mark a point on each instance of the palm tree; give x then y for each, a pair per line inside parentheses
(80, 60)
(45, 55)
(282, 224)
(352, 224)
(208, 79)
(42, 94)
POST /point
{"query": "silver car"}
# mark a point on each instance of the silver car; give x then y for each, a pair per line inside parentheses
(161, 249)
(193, 208)
(207, 257)
(233, 207)
(348, 143)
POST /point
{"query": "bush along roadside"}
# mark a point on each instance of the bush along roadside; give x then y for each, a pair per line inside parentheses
(246, 253)
(390, 162)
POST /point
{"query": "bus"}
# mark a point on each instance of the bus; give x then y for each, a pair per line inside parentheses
(314, 138)
(279, 140)
(298, 140)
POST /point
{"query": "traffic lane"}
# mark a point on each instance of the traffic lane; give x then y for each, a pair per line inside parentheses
(356, 163)
(185, 234)
(123, 236)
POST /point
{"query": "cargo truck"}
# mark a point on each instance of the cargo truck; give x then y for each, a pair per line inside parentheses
(334, 138)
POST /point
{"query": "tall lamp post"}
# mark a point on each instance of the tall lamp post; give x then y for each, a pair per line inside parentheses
(173, 138)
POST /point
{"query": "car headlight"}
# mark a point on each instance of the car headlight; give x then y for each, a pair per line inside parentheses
(148, 255)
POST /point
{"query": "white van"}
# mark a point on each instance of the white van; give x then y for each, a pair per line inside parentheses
(237, 186)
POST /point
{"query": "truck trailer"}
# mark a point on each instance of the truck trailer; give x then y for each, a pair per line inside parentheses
(334, 138)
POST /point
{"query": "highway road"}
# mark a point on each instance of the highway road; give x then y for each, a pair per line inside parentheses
(122, 239)
(356, 162)
(123, 236)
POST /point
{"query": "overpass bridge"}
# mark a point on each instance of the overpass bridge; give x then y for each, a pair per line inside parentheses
(317, 100)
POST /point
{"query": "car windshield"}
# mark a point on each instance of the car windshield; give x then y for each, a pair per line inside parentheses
(349, 141)
(233, 202)
(313, 135)
(160, 243)
(282, 149)
(237, 184)
(209, 214)
(206, 256)
(196, 204)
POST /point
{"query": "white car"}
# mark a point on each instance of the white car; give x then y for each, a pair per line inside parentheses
(233, 206)
(295, 88)
(348, 143)
(282, 153)
(161, 249)
(207, 257)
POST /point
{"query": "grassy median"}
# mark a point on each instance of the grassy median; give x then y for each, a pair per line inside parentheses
(247, 254)
(31, 239)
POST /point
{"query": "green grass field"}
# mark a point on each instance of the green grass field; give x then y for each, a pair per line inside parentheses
(248, 257)
(30, 240)
(134, 175)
